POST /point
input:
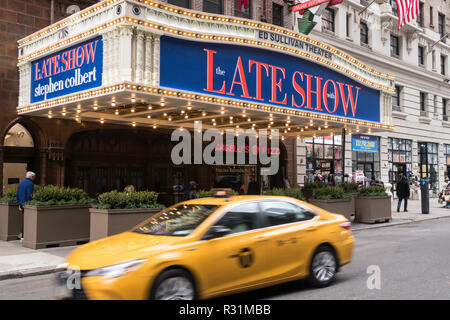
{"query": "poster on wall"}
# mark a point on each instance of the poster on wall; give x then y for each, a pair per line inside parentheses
(364, 143)
(71, 70)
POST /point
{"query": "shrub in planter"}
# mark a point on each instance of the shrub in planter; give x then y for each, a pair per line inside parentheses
(117, 212)
(372, 204)
(308, 188)
(289, 192)
(349, 187)
(56, 216)
(11, 221)
(128, 200)
(332, 199)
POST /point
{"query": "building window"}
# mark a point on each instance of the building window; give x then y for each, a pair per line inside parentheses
(420, 16)
(328, 20)
(181, 3)
(444, 109)
(443, 62)
(277, 14)
(347, 25)
(243, 9)
(364, 33)
(323, 156)
(396, 98)
(422, 102)
(431, 17)
(447, 162)
(395, 46)
(400, 159)
(428, 162)
(441, 24)
(213, 6)
(393, 4)
(421, 53)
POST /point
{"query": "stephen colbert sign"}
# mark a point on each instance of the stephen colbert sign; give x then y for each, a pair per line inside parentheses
(72, 70)
(264, 76)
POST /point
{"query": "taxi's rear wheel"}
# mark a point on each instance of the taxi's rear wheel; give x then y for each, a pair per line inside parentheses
(173, 284)
(323, 267)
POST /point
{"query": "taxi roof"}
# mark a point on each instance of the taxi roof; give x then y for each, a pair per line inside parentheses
(221, 201)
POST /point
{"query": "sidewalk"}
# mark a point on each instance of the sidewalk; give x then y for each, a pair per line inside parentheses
(17, 261)
(414, 214)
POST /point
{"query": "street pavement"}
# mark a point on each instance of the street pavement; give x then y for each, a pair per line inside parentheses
(412, 261)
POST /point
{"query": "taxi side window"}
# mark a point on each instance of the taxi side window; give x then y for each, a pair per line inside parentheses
(241, 218)
(280, 212)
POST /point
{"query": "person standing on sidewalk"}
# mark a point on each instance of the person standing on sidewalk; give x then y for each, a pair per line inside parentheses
(24, 192)
(403, 193)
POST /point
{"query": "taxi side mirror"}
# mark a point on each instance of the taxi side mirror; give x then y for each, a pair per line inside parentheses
(216, 232)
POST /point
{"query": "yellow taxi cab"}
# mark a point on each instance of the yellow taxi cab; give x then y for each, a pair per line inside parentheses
(208, 247)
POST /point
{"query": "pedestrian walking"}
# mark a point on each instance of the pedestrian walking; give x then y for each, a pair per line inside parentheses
(24, 192)
(403, 193)
(253, 187)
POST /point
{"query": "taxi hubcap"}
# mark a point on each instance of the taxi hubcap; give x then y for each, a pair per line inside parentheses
(176, 288)
(324, 266)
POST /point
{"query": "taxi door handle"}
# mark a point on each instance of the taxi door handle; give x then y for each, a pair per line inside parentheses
(311, 229)
(260, 240)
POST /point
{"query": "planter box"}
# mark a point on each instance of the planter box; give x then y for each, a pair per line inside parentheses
(11, 221)
(105, 223)
(341, 206)
(373, 209)
(54, 226)
(353, 194)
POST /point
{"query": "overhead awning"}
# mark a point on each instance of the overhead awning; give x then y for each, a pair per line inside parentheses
(146, 63)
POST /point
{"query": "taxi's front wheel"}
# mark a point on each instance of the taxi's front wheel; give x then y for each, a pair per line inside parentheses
(173, 284)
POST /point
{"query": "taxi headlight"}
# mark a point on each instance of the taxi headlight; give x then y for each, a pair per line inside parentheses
(117, 270)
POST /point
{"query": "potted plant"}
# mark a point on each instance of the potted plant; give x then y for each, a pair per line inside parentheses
(351, 188)
(372, 204)
(56, 216)
(332, 199)
(11, 221)
(308, 187)
(117, 212)
(289, 192)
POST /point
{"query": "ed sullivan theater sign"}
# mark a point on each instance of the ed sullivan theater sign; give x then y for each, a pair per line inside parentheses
(71, 70)
(263, 76)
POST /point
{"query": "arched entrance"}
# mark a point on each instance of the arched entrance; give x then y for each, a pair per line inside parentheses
(20, 144)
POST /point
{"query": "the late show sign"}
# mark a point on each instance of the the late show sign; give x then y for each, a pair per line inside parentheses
(263, 76)
(68, 71)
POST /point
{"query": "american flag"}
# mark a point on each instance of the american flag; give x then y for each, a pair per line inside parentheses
(407, 10)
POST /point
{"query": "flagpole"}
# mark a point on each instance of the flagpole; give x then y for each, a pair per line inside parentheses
(366, 7)
(445, 36)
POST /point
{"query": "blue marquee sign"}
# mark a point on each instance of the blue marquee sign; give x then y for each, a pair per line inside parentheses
(266, 77)
(74, 69)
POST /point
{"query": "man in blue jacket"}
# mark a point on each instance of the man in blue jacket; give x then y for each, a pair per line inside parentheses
(24, 192)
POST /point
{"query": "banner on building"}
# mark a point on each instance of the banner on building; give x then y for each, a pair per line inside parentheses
(266, 77)
(364, 143)
(75, 69)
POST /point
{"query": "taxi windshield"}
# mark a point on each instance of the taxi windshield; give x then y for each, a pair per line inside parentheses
(178, 220)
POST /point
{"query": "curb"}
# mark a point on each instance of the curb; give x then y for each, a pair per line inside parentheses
(29, 273)
(375, 226)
